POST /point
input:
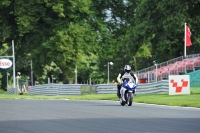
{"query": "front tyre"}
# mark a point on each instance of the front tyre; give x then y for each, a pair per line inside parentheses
(130, 98)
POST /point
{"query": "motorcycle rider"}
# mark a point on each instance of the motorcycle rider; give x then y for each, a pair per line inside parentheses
(125, 72)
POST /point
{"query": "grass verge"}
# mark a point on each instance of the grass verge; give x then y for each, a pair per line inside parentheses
(192, 100)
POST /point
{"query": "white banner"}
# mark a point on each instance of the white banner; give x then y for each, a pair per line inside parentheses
(179, 84)
(5, 63)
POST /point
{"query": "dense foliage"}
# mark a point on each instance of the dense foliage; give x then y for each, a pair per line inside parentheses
(60, 35)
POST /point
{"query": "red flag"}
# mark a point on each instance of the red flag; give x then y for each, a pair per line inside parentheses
(188, 35)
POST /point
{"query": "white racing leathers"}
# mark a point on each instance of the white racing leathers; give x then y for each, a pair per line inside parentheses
(122, 91)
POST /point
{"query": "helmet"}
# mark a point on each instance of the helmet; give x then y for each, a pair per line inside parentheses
(127, 68)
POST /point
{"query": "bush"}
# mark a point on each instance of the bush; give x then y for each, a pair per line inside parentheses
(2, 91)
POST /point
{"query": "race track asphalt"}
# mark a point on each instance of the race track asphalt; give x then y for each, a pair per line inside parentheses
(69, 116)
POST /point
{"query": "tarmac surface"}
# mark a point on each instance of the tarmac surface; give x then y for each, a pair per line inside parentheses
(69, 116)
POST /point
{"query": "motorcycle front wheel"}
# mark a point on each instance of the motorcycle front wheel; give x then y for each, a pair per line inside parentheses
(130, 98)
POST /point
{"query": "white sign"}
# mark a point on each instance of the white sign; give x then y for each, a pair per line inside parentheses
(5, 63)
(179, 84)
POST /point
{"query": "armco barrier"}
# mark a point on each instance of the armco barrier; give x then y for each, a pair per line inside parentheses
(149, 88)
(56, 89)
(78, 89)
(106, 88)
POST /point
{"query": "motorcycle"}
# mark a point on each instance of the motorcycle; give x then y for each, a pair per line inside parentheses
(128, 90)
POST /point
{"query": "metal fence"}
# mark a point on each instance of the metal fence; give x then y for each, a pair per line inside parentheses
(80, 89)
(55, 89)
(150, 73)
(21, 86)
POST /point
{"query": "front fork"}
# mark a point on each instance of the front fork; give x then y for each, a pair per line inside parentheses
(123, 92)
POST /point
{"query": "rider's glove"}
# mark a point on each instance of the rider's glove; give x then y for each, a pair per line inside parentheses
(118, 80)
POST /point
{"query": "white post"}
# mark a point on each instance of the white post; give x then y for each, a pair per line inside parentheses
(76, 75)
(14, 80)
(7, 79)
(109, 63)
(156, 64)
(156, 72)
(18, 77)
(108, 72)
(185, 42)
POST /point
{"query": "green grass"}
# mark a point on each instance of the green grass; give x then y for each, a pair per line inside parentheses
(72, 97)
(192, 100)
(195, 90)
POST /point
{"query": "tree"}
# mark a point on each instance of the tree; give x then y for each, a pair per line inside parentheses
(161, 24)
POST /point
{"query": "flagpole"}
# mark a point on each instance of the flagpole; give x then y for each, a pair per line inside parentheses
(185, 42)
